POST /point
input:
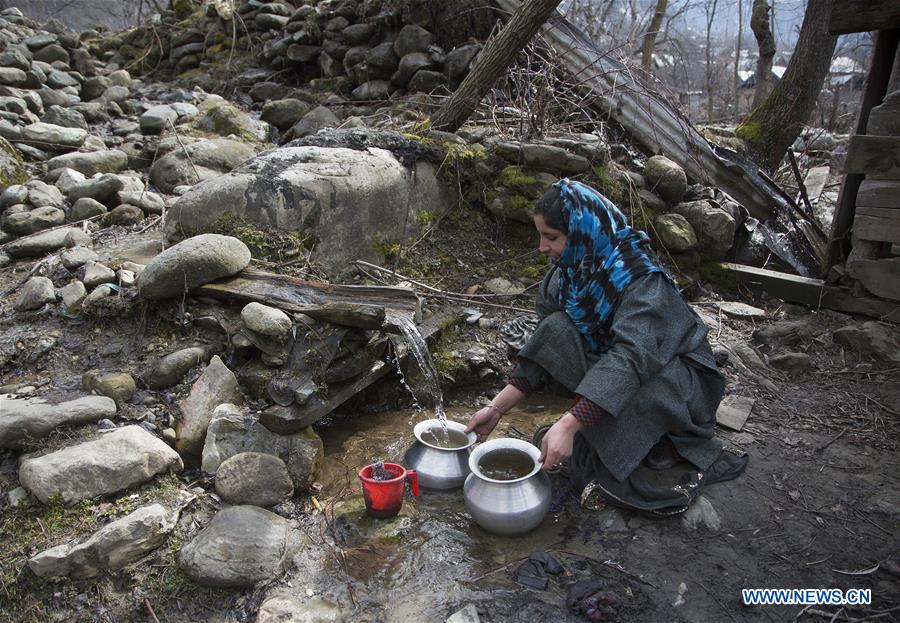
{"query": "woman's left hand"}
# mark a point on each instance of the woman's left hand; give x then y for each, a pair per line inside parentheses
(556, 446)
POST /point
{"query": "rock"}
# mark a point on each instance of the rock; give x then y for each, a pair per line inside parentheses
(10, 76)
(353, 200)
(870, 339)
(15, 194)
(192, 263)
(266, 320)
(427, 81)
(112, 547)
(242, 545)
(126, 457)
(103, 188)
(412, 38)
(211, 158)
(41, 194)
(117, 385)
(215, 386)
(254, 478)
(34, 221)
(458, 61)
(714, 227)
(741, 310)
(288, 609)
(149, 202)
(67, 179)
(499, 285)
(12, 167)
(64, 117)
(100, 292)
(33, 418)
(382, 56)
(72, 295)
(468, 614)
(18, 498)
(222, 118)
(313, 121)
(155, 119)
(172, 368)
(124, 216)
(701, 514)
(675, 233)
(37, 292)
(790, 361)
(284, 113)
(92, 162)
(54, 137)
(47, 242)
(784, 332)
(410, 64)
(666, 178)
(231, 432)
(85, 208)
(95, 273)
(116, 94)
(555, 159)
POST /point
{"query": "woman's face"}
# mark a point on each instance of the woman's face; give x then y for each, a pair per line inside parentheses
(552, 241)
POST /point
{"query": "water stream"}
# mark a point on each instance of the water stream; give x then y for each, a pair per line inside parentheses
(419, 349)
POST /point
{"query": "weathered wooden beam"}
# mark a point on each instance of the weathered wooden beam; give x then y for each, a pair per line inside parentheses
(365, 307)
(874, 156)
(814, 293)
(861, 15)
(878, 194)
(877, 224)
(883, 55)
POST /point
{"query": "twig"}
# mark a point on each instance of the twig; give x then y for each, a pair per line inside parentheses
(148, 226)
(839, 435)
(150, 610)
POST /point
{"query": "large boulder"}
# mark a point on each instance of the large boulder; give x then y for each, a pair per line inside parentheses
(191, 263)
(118, 460)
(202, 160)
(354, 201)
(241, 546)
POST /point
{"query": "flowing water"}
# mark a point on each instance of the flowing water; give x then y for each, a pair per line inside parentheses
(419, 349)
(446, 438)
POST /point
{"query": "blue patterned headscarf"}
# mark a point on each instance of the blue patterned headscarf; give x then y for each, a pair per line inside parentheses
(602, 256)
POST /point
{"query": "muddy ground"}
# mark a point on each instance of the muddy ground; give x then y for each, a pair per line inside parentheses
(819, 505)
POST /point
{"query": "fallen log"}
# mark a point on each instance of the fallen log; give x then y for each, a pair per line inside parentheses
(660, 128)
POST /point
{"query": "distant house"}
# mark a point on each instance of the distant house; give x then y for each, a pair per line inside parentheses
(747, 87)
(845, 71)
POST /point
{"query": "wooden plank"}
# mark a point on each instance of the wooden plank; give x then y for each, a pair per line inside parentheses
(874, 156)
(733, 411)
(814, 293)
(886, 44)
(365, 307)
(861, 15)
(877, 224)
(878, 194)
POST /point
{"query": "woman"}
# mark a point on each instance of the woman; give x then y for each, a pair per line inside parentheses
(615, 330)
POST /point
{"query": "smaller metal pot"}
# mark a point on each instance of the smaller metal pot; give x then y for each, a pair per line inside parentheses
(507, 507)
(438, 468)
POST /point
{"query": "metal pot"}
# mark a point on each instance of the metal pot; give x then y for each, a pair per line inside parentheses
(439, 468)
(507, 507)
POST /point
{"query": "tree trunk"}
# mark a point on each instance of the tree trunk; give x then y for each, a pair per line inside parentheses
(650, 36)
(737, 60)
(773, 125)
(496, 56)
(762, 30)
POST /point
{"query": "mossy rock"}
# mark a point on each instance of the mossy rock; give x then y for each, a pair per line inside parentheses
(12, 167)
(182, 9)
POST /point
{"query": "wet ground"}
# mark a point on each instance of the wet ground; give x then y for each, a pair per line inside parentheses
(797, 518)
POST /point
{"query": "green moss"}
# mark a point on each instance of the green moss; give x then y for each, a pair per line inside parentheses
(715, 273)
(263, 243)
(515, 176)
(16, 174)
(182, 9)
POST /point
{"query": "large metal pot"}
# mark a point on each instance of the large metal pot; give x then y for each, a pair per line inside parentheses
(439, 468)
(507, 507)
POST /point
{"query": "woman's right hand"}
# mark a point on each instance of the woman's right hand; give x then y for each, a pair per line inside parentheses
(484, 421)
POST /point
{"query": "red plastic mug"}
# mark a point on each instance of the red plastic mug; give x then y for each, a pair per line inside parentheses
(385, 497)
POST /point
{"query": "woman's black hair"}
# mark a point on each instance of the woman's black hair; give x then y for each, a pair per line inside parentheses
(550, 207)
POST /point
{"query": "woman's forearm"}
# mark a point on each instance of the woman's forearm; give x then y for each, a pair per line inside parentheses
(508, 398)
